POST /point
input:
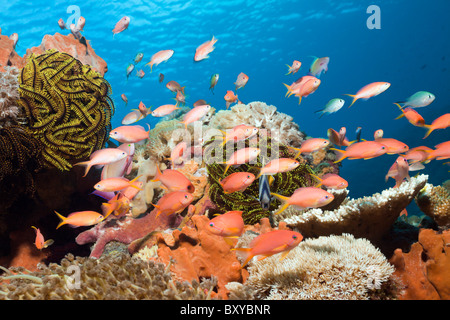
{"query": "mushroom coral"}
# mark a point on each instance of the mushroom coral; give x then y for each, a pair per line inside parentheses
(67, 106)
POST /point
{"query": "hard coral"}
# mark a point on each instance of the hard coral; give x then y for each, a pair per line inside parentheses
(9, 94)
(367, 217)
(113, 277)
(333, 268)
(424, 271)
(68, 107)
(262, 116)
(434, 201)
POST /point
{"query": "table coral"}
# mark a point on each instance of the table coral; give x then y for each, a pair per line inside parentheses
(332, 267)
(67, 106)
(367, 217)
(424, 271)
(434, 201)
(113, 277)
(124, 230)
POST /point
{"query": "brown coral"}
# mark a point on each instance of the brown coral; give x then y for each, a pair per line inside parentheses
(434, 201)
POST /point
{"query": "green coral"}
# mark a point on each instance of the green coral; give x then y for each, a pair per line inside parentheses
(284, 183)
(67, 106)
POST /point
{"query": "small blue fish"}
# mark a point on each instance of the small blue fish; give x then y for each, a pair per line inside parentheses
(130, 69)
(213, 81)
(138, 57)
(358, 134)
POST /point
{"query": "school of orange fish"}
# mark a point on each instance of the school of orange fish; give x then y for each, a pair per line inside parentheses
(116, 162)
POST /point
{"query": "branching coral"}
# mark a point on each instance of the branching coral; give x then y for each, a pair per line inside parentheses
(434, 201)
(113, 277)
(284, 183)
(67, 106)
(367, 217)
(333, 268)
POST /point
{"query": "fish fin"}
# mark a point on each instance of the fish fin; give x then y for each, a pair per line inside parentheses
(48, 243)
(354, 98)
(430, 129)
(133, 181)
(400, 116)
(318, 179)
(230, 240)
(340, 154)
(271, 180)
(226, 169)
(158, 174)
(290, 71)
(248, 253)
(299, 100)
(262, 257)
(284, 201)
(289, 92)
(84, 163)
(284, 254)
(63, 220)
(281, 248)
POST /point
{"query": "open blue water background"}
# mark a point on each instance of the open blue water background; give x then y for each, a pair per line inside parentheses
(411, 51)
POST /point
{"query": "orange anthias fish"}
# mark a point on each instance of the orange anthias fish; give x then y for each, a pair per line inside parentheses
(180, 97)
(411, 115)
(40, 243)
(361, 150)
(132, 117)
(160, 56)
(311, 145)
(174, 180)
(143, 109)
(417, 154)
(278, 165)
(318, 66)
(239, 133)
(124, 98)
(441, 152)
(173, 202)
(119, 205)
(165, 110)
(129, 134)
(229, 225)
(121, 25)
(102, 157)
(399, 171)
(241, 156)
(441, 122)
(303, 87)
(80, 219)
(204, 49)
(177, 153)
(241, 81)
(116, 184)
(237, 182)
(304, 198)
(140, 73)
(270, 243)
(174, 86)
(295, 67)
(393, 146)
(368, 91)
(230, 98)
(331, 180)
(338, 138)
(195, 114)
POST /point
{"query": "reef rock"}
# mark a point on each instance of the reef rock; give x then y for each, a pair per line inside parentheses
(68, 44)
(434, 201)
(425, 270)
(367, 217)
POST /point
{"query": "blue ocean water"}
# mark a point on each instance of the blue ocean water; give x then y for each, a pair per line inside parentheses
(411, 51)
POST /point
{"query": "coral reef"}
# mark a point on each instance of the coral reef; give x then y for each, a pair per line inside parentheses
(199, 254)
(68, 44)
(113, 277)
(67, 105)
(332, 268)
(434, 201)
(8, 55)
(262, 116)
(424, 271)
(367, 217)
(125, 230)
(284, 183)
(9, 94)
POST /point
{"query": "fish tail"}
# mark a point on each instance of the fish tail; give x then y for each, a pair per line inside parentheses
(108, 206)
(290, 70)
(135, 179)
(157, 175)
(430, 129)
(340, 154)
(284, 200)
(63, 220)
(48, 243)
(289, 92)
(248, 255)
(354, 98)
(318, 179)
(84, 163)
(299, 100)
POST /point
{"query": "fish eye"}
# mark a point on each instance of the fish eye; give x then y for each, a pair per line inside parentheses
(248, 177)
(294, 237)
(211, 224)
(185, 196)
(382, 148)
(326, 197)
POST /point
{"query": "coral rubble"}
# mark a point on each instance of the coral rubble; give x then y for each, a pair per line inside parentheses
(367, 217)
